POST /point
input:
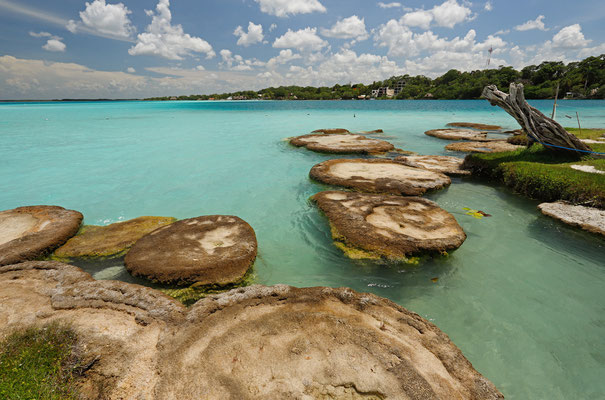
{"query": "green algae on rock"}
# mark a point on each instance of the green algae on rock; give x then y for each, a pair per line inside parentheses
(110, 240)
(27, 233)
(393, 227)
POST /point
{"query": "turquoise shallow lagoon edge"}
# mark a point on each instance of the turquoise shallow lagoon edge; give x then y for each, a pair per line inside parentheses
(523, 297)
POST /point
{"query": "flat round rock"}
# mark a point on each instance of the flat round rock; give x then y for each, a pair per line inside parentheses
(29, 232)
(331, 131)
(456, 134)
(483, 127)
(588, 218)
(207, 250)
(341, 143)
(482, 147)
(105, 241)
(445, 164)
(395, 227)
(378, 176)
(257, 342)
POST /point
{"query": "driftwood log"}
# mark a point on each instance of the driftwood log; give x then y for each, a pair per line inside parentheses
(539, 128)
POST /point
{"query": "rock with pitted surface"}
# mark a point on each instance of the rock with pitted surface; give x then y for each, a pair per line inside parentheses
(341, 143)
(444, 164)
(27, 233)
(258, 342)
(483, 127)
(394, 227)
(460, 134)
(110, 240)
(587, 218)
(482, 147)
(208, 250)
(331, 131)
(378, 176)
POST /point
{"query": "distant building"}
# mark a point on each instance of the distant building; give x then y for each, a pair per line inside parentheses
(594, 91)
(375, 92)
(428, 95)
(361, 97)
(383, 92)
(399, 87)
(173, 98)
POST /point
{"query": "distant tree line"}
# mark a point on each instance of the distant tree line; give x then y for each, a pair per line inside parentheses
(584, 79)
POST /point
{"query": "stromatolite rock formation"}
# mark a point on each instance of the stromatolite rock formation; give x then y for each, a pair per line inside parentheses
(257, 342)
(378, 176)
(341, 143)
(374, 226)
(458, 134)
(444, 164)
(331, 131)
(114, 239)
(483, 127)
(588, 218)
(208, 250)
(27, 233)
(482, 147)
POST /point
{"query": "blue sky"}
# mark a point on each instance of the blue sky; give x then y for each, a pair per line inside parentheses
(128, 48)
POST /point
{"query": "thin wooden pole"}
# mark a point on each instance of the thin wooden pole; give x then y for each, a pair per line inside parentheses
(578, 117)
(554, 107)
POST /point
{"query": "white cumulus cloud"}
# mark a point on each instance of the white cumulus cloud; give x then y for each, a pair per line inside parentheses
(284, 57)
(166, 40)
(388, 5)
(104, 19)
(131, 70)
(254, 34)
(420, 18)
(446, 14)
(570, 37)
(347, 28)
(488, 6)
(54, 45)
(302, 40)
(284, 8)
(537, 23)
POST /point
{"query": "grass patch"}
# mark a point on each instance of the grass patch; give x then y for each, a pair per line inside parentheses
(543, 174)
(38, 363)
(593, 134)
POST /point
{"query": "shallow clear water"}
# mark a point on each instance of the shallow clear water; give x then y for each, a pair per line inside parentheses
(523, 297)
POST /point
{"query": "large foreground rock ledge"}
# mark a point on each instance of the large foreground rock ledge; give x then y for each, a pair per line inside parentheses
(374, 226)
(378, 176)
(445, 164)
(27, 233)
(482, 147)
(341, 144)
(207, 250)
(588, 218)
(257, 342)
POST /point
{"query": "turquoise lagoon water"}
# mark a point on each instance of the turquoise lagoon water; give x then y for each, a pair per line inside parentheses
(523, 297)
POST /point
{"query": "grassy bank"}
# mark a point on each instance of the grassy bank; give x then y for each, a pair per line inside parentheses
(543, 175)
(38, 363)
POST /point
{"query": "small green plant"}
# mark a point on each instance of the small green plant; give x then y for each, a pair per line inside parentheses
(38, 363)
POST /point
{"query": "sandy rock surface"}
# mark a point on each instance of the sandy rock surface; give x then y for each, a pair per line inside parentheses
(378, 176)
(29, 232)
(482, 147)
(331, 131)
(395, 227)
(457, 134)
(588, 218)
(208, 250)
(103, 241)
(483, 127)
(587, 168)
(444, 164)
(257, 342)
(341, 143)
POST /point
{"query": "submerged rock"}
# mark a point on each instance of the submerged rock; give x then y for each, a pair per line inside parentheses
(104, 241)
(444, 164)
(378, 176)
(482, 147)
(331, 131)
(208, 250)
(483, 127)
(372, 132)
(395, 227)
(457, 134)
(258, 342)
(588, 218)
(27, 233)
(341, 143)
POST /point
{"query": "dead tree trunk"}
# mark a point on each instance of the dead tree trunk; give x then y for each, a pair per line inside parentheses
(538, 127)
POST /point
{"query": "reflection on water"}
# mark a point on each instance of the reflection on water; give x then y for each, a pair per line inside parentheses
(523, 297)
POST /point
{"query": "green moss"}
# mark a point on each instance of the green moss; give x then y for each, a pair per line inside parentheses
(543, 174)
(190, 294)
(38, 363)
